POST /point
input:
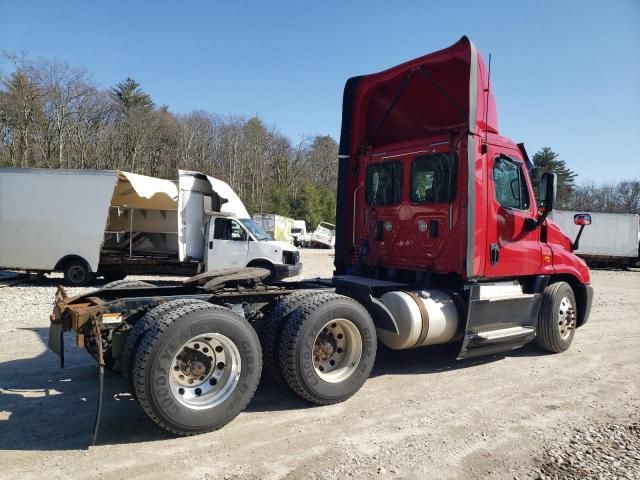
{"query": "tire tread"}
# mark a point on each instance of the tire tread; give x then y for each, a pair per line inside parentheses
(548, 337)
(290, 338)
(142, 325)
(272, 335)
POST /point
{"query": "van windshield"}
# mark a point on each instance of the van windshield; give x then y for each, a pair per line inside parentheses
(255, 229)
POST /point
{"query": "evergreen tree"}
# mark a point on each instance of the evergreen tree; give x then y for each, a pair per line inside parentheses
(129, 95)
(546, 160)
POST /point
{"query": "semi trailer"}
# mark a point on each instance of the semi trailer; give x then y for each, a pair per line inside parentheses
(88, 223)
(439, 240)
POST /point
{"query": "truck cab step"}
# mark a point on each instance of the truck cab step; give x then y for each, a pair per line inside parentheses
(502, 335)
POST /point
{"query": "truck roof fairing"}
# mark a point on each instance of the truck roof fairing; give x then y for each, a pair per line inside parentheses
(434, 93)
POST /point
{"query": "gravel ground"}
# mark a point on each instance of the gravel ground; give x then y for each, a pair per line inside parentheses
(595, 451)
(422, 414)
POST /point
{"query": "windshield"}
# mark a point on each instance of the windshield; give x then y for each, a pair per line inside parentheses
(296, 230)
(255, 230)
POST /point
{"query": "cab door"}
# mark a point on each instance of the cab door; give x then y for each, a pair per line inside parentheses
(228, 244)
(512, 249)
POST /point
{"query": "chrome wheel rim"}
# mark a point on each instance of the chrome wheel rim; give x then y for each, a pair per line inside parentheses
(566, 318)
(205, 371)
(337, 350)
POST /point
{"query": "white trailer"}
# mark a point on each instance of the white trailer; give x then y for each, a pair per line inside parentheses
(612, 238)
(89, 223)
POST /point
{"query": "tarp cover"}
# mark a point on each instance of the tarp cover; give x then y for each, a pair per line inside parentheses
(139, 191)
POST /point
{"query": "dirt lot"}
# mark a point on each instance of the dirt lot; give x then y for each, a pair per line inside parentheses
(420, 415)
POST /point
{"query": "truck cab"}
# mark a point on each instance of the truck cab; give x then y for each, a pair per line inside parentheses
(236, 243)
(433, 196)
(216, 230)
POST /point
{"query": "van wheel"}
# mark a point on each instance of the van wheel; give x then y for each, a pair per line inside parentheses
(197, 368)
(141, 327)
(557, 318)
(327, 349)
(77, 273)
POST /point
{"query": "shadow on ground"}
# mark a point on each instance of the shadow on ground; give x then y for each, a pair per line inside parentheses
(54, 409)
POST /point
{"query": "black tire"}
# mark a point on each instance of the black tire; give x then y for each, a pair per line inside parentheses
(120, 284)
(554, 335)
(273, 325)
(142, 326)
(114, 276)
(296, 351)
(154, 357)
(77, 273)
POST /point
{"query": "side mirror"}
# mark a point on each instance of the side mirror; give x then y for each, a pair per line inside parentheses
(548, 187)
(582, 219)
(546, 199)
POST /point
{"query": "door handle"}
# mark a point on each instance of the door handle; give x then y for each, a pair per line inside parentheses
(210, 245)
(495, 254)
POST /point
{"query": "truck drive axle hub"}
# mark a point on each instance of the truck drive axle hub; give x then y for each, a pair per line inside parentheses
(205, 371)
(337, 350)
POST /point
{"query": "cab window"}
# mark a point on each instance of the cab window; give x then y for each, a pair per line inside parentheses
(227, 229)
(433, 178)
(384, 183)
(510, 185)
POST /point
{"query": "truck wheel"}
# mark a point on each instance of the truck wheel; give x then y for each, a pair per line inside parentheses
(327, 349)
(274, 323)
(77, 274)
(142, 326)
(557, 318)
(197, 368)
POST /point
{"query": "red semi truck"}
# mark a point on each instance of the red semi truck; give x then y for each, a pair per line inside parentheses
(439, 239)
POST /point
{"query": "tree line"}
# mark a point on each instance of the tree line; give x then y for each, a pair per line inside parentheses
(52, 115)
(615, 197)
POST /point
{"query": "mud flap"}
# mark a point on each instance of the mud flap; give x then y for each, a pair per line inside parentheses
(499, 325)
(56, 341)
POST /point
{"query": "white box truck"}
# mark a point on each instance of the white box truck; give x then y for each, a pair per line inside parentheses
(88, 223)
(278, 226)
(612, 238)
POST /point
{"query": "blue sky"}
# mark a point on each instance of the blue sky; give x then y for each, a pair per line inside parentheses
(565, 73)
